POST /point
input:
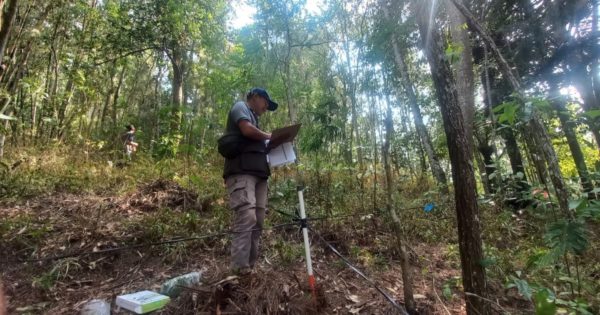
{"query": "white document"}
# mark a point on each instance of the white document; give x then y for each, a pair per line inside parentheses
(281, 155)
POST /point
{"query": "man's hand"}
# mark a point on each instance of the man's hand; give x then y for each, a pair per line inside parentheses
(249, 131)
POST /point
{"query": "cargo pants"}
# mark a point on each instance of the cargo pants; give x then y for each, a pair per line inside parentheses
(248, 200)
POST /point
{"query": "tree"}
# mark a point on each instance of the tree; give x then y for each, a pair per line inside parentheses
(465, 193)
(409, 90)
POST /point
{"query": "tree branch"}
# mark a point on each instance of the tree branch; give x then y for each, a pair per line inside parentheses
(474, 25)
(129, 53)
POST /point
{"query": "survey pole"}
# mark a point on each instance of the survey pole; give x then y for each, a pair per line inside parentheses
(311, 276)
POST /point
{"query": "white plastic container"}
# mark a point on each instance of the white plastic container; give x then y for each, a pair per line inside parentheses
(96, 307)
(142, 302)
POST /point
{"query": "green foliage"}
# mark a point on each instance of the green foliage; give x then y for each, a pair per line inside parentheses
(544, 304)
(566, 236)
(453, 52)
(60, 270)
(507, 112)
(288, 252)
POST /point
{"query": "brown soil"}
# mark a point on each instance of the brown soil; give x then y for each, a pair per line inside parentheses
(70, 223)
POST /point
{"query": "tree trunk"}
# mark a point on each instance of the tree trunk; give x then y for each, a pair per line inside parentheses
(351, 90)
(463, 70)
(292, 111)
(8, 18)
(567, 126)
(407, 279)
(115, 101)
(535, 129)
(109, 93)
(584, 85)
(436, 169)
(465, 190)
(3, 135)
(176, 88)
(489, 167)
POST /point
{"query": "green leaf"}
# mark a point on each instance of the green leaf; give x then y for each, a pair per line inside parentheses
(538, 260)
(507, 112)
(593, 114)
(566, 236)
(522, 286)
(543, 305)
(447, 291)
(574, 204)
(453, 52)
(592, 212)
(490, 261)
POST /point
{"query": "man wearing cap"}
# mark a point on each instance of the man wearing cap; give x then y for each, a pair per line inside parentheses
(246, 176)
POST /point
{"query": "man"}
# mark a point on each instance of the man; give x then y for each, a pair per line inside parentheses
(129, 140)
(246, 174)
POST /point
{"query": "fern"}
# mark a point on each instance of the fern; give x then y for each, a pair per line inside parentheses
(565, 237)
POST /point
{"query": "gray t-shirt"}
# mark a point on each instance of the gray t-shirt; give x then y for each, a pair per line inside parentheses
(240, 111)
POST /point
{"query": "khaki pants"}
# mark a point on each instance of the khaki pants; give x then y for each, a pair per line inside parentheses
(248, 200)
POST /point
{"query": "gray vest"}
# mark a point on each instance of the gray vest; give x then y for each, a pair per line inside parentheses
(253, 157)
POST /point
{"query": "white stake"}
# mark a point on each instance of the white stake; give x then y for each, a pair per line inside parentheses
(311, 277)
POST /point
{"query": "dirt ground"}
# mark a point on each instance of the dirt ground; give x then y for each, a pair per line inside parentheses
(70, 223)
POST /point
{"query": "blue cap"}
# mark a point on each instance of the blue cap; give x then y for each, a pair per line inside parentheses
(263, 93)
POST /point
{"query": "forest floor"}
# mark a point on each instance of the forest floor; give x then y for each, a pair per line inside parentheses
(60, 223)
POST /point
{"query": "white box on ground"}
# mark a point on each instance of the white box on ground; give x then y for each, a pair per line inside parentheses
(142, 302)
(282, 155)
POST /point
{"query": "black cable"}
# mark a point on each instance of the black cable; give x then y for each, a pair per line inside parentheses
(290, 215)
(170, 241)
(360, 273)
(352, 214)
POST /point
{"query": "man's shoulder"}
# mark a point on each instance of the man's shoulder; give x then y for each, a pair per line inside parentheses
(240, 110)
(239, 106)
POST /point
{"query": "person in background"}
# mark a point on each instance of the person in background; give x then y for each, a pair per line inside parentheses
(246, 176)
(129, 140)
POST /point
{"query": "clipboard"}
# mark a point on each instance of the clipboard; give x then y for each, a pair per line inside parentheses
(283, 135)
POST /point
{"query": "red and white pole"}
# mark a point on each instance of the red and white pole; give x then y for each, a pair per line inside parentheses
(311, 276)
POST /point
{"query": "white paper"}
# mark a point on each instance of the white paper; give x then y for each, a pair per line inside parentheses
(281, 155)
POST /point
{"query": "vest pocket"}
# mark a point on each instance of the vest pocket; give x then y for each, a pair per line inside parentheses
(254, 162)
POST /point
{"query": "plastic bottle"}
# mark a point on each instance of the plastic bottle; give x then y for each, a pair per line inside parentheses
(96, 307)
(172, 287)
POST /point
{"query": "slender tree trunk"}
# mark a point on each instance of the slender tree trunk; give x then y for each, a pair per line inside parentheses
(3, 136)
(584, 85)
(351, 90)
(108, 95)
(115, 101)
(492, 98)
(568, 129)
(465, 190)
(535, 129)
(436, 169)
(463, 70)
(488, 166)
(2, 3)
(407, 279)
(292, 110)
(177, 88)
(8, 18)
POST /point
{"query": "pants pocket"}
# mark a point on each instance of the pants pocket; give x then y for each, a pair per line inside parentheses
(238, 194)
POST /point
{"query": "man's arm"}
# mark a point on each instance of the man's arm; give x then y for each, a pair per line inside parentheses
(249, 131)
